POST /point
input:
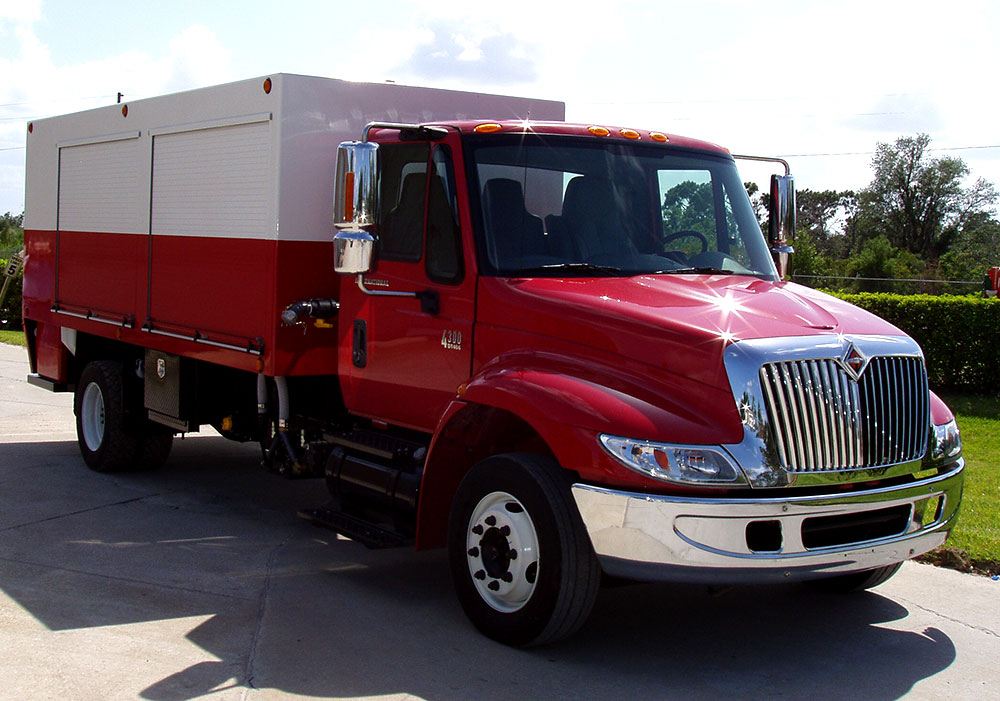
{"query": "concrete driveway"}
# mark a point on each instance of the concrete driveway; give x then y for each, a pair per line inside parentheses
(199, 580)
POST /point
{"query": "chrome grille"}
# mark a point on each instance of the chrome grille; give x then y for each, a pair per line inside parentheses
(822, 420)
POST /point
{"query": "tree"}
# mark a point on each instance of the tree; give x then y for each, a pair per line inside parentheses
(976, 249)
(689, 206)
(878, 258)
(11, 233)
(758, 200)
(824, 215)
(917, 202)
(808, 260)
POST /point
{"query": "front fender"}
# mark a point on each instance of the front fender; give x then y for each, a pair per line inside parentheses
(569, 403)
(542, 402)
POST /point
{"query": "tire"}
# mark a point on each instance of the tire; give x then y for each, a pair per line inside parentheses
(543, 588)
(108, 440)
(857, 581)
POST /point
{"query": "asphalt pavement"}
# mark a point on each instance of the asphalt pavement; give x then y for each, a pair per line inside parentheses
(199, 580)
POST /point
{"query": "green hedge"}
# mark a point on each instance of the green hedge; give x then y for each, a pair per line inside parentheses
(960, 335)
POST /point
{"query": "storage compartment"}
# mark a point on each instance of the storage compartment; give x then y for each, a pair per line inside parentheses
(169, 390)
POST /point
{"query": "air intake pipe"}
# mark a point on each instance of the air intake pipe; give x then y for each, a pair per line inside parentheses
(298, 312)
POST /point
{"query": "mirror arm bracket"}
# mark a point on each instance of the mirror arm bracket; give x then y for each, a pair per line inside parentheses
(381, 293)
(430, 301)
(765, 159)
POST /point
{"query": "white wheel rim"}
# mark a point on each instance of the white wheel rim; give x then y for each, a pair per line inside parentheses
(92, 416)
(504, 580)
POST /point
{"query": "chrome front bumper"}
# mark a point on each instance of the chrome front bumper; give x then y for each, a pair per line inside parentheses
(655, 537)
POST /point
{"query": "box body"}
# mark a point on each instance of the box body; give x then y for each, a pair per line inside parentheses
(189, 221)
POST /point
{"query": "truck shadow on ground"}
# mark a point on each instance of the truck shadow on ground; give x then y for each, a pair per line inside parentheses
(295, 609)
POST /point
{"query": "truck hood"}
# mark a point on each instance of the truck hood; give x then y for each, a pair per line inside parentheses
(674, 324)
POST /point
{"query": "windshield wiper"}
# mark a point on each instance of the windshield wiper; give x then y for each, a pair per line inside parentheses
(700, 270)
(569, 268)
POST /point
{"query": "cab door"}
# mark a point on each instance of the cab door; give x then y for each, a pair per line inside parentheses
(403, 358)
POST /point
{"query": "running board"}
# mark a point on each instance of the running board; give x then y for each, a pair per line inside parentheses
(371, 535)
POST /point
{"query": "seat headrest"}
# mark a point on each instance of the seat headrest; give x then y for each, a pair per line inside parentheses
(584, 192)
(503, 200)
(412, 190)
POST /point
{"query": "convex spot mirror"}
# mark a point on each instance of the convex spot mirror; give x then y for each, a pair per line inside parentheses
(355, 206)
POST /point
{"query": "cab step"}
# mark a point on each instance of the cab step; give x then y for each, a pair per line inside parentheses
(372, 535)
(385, 447)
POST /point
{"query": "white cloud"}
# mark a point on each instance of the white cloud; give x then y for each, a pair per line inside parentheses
(794, 76)
(21, 11)
(36, 86)
(196, 58)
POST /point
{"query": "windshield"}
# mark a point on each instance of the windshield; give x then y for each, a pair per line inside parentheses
(557, 206)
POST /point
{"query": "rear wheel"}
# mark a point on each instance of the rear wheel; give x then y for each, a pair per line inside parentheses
(521, 560)
(110, 440)
(857, 581)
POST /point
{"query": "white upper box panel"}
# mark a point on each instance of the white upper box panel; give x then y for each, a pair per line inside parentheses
(99, 185)
(227, 161)
(213, 182)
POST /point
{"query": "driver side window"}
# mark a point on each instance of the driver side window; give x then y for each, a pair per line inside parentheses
(695, 221)
(687, 204)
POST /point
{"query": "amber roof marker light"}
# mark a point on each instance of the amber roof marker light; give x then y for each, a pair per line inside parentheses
(124, 110)
(629, 133)
(598, 131)
(659, 137)
(267, 86)
(487, 128)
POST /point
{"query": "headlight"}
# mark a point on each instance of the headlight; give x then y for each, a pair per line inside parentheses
(688, 464)
(947, 441)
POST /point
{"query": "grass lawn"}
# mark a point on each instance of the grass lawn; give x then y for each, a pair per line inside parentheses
(15, 338)
(975, 542)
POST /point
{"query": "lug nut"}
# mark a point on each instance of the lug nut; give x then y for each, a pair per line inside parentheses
(478, 530)
(507, 577)
(512, 554)
(481, 574)
(491, 520)
(505, 531)
(473, 552)
(494, 585)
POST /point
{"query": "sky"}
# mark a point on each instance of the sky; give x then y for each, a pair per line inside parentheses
(802, 80)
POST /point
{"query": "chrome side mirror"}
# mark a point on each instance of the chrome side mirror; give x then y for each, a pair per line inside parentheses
(353, 251)
(355, 206)
(781, 221)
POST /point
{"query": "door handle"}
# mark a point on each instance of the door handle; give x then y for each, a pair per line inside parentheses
(359, 345)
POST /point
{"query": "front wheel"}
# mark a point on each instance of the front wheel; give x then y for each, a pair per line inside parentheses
(523, 566)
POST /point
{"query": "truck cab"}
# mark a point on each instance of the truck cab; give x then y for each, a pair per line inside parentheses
(614, 299)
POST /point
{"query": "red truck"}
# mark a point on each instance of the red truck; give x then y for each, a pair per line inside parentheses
(560, 350)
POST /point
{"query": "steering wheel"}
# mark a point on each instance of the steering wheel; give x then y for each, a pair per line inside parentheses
(684, 234)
